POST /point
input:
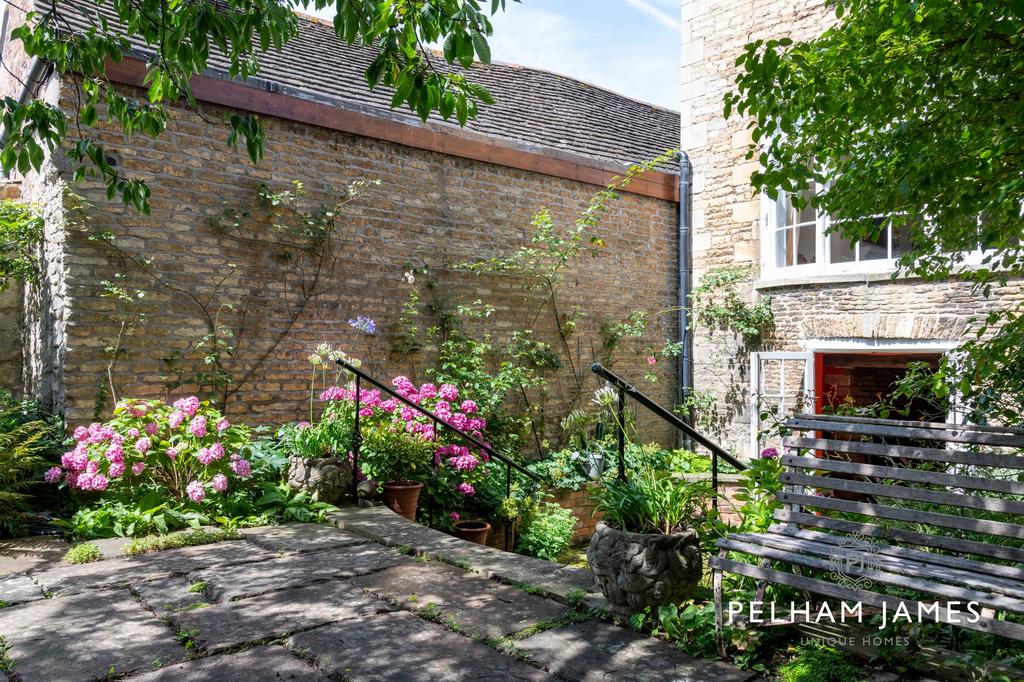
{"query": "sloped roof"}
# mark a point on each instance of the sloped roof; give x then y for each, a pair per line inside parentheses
(533, 106)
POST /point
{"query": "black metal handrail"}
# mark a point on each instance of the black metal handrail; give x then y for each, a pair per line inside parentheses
(628, 389)
(357, 437)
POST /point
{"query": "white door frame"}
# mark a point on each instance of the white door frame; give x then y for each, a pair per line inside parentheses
(755, 385)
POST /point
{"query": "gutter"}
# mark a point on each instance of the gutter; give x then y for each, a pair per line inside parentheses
(685, 273)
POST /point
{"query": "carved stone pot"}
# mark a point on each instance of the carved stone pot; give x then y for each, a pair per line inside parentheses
(636, 570)
(329, 477)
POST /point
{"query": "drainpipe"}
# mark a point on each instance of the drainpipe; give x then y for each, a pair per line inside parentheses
(36, 73)
(685, 271)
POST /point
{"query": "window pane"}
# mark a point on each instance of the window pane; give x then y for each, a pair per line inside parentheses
(875, 249)
(900, 240)
(790, 215)
(783, 248)
(806, 243)
(840, 249)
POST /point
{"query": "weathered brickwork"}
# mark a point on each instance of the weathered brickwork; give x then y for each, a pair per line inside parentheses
(727, 222)
(582, 505)
(429, 210)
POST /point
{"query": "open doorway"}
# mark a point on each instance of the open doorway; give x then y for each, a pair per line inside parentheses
(860, 379)
(832, 372)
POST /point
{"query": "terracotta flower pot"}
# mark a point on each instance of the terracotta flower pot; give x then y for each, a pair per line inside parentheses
(474, 531)
(402, 498)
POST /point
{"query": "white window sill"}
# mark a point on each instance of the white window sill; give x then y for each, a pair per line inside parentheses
(780, 280)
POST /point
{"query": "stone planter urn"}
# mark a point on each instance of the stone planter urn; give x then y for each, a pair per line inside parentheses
(636, 570)
(329, 477)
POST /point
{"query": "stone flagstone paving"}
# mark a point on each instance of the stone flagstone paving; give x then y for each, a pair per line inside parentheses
(314, 602)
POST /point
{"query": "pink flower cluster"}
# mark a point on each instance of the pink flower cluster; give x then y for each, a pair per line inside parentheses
(395, 416)
(164, 443)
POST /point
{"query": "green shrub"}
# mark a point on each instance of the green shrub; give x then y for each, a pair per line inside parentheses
(547, 532)
(155, 543)
(818, 663)
(652, 501)
(83, 554)
(29, 441)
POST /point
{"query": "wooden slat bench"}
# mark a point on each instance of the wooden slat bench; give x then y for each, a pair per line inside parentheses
(901, 495)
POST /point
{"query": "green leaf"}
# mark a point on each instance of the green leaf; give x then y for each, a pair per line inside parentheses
(482, 49)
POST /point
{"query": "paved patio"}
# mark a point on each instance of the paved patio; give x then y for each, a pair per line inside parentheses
(315, 602)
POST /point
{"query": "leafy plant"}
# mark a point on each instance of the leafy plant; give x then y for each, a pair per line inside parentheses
(152, 513)
(565, 469)
(819, 663)
(191, 538)
(547, 531)
(83, 553)
(760, 485)
(187, 449)
(716, 303)
(652, 501)
(28, 442)
(280, 501)
(699, 405)
(881, 117)
(21, 233)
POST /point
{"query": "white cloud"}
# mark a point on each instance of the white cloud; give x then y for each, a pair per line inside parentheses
(544, 39)
(663, 18)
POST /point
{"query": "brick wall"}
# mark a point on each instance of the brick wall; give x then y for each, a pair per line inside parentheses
(582, 507)
(430, 209)
(727, 223)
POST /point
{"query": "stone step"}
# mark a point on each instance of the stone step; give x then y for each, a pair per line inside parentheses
(382, 525)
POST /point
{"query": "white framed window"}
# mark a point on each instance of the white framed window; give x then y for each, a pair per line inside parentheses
(797, 242)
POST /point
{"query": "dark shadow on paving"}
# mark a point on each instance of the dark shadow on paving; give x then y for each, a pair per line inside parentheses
(86, 636)
(275, 614)
(256, 664)
(402, 647)
(479, 606)
(596, 652)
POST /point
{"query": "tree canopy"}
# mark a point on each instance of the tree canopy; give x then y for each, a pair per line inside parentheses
(180, 37)
(908, 114)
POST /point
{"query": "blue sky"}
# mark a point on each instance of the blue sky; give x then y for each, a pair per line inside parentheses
(630, 46)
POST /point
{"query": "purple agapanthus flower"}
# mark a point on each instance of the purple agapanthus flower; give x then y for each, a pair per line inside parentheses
(364, 324)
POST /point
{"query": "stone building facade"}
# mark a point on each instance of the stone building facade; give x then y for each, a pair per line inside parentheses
(833, 308)
(212, 259)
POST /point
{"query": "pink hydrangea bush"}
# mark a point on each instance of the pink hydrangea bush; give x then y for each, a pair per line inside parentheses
(188, 448)
(401, 443)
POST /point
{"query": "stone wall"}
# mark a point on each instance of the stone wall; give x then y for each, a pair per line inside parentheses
(10, 339)
(281, 299)
(727, 223)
